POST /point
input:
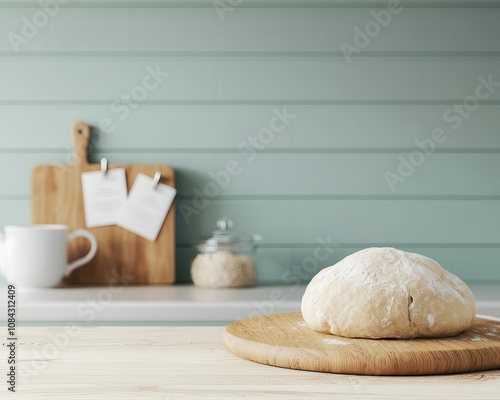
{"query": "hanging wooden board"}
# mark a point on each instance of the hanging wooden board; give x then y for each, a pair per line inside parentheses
(285, 340)
(122, 255)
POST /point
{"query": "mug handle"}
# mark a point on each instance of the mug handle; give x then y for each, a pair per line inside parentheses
(85, 259)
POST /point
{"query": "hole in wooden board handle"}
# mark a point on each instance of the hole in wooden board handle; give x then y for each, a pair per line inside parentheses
(81, 138)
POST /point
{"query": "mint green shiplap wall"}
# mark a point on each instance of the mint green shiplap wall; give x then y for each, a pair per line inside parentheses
(322, 175)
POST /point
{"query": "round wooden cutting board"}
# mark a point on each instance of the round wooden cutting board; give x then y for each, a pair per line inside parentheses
(285, 340)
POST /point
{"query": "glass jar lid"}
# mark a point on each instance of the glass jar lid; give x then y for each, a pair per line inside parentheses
(226, 238)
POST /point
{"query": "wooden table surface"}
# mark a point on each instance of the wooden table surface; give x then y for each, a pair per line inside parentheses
(191, 362)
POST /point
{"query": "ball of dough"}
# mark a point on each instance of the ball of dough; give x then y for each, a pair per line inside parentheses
(388, 293)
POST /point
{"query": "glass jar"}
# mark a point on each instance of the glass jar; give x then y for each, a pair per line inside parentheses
(225, 259)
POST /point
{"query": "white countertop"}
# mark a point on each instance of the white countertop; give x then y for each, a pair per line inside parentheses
(178, 303)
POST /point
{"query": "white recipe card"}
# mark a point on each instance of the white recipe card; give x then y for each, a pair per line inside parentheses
(146, 207)
(103, 195)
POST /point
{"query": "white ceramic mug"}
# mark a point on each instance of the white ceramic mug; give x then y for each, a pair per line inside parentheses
(35, 256)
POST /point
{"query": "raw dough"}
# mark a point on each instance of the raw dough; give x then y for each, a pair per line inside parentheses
(388, 293)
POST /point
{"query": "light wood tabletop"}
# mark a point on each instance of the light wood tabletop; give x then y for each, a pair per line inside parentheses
(61, 362)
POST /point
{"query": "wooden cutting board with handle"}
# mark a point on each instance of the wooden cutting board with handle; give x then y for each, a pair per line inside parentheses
(122, 255)
(285, 340)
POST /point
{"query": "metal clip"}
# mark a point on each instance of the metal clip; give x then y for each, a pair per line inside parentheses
(156, 180)
(104, 166)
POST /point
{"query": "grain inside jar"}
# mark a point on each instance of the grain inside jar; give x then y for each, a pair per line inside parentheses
(225, 260)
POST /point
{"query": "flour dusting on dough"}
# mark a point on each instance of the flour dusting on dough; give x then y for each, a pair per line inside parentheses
(335, 341)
